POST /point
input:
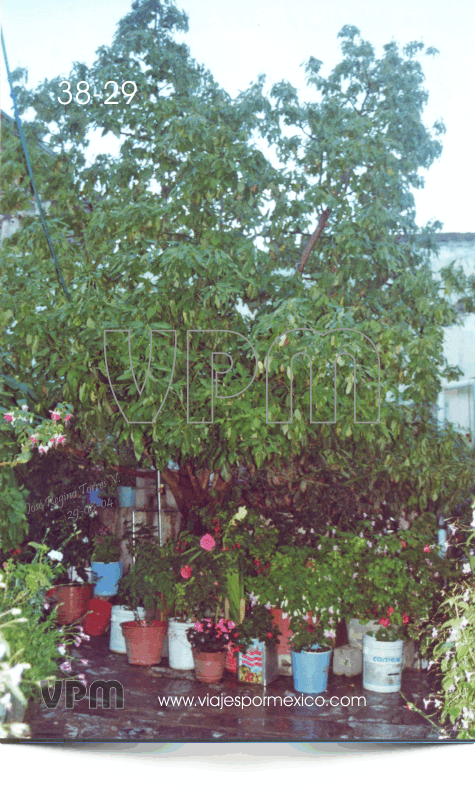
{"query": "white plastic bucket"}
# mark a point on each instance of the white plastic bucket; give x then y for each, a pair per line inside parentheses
(382, 665)
(120, 614)
(180, 655)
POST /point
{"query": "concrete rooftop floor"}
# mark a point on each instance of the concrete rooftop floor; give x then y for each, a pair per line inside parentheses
(144, 717)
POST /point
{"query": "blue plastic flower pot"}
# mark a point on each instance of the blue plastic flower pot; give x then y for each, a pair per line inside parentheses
(126, 496)
(310, 671)
(106, 575)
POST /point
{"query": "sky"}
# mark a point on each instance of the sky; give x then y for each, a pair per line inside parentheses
(238, 40)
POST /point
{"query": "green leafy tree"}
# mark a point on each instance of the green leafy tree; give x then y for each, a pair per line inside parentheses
(188, 226)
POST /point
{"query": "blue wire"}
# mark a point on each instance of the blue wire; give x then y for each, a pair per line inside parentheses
(28, 164)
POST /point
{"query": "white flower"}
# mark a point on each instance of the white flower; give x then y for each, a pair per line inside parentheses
(331, 610)
(329, 633)
(241, 514)
(466, 596)
(361, 535)
(15, 610)
(426, 703)
(369, 544)
(85, 539)
(24, 407)
(437, 703)
(62, 649)
(434, 633)
(466, 568)
(55, 555)
(463, 622)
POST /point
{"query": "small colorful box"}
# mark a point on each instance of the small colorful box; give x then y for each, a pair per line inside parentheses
(259, 665)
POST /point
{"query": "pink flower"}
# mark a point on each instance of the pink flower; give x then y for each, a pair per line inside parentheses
(198, 626)
(43, 448)
(34, 438)
(385, 621)
(8, 417)
(67, 417)
(55, 415)
(390, 610)
(59, 438)
(66, 666)
(207, 542)
(405, 618)
(186, 572)
(426, 548)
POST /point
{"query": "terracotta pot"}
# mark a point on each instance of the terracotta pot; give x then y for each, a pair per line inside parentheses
(209, 667)
(144, 641)
(72, 600)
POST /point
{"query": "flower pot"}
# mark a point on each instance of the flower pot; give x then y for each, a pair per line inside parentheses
(144, 640)
(106, 575)
(357, 631)
(209, 667)
(119, 615)
(126, 496)
(98, 617)
(180, 655)
(260, 664)
(72, 600)
(310, 670)
(382, 665)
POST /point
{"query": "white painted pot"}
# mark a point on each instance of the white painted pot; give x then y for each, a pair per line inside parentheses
(180, 655)
(357, 631)
(120, 614)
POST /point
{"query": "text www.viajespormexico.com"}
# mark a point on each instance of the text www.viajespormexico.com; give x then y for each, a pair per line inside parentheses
(245, 701)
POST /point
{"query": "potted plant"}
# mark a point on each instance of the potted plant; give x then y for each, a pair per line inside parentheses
(390, 578)
(258, 636)
(196, 584)
(311, 654)
(144, 589)
(105, 563)
(382, 657)
(210, 639)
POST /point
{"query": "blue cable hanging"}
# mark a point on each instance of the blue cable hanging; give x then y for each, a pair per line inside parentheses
(30, 171)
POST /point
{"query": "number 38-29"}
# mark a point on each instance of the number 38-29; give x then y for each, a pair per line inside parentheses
(84, 97)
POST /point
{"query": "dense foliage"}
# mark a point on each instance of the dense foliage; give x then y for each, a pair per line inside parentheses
(189, 226)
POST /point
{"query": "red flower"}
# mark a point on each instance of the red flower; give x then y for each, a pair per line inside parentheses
(405, 618)
(8, 417)
(384, 621)
(403, 544)
(310, 629)
(207, 542)
(186, 572)
(390, 610)
(426, 548)
(270, 634)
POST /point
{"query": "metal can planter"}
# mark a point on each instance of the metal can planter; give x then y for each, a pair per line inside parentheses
(259, 665)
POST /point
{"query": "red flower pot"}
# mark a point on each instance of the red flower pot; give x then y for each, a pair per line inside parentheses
(72, 601)
(98, 617)
(209, 667)
(144, 641)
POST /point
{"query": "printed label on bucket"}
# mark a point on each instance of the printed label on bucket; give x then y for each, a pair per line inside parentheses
(383, 671)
